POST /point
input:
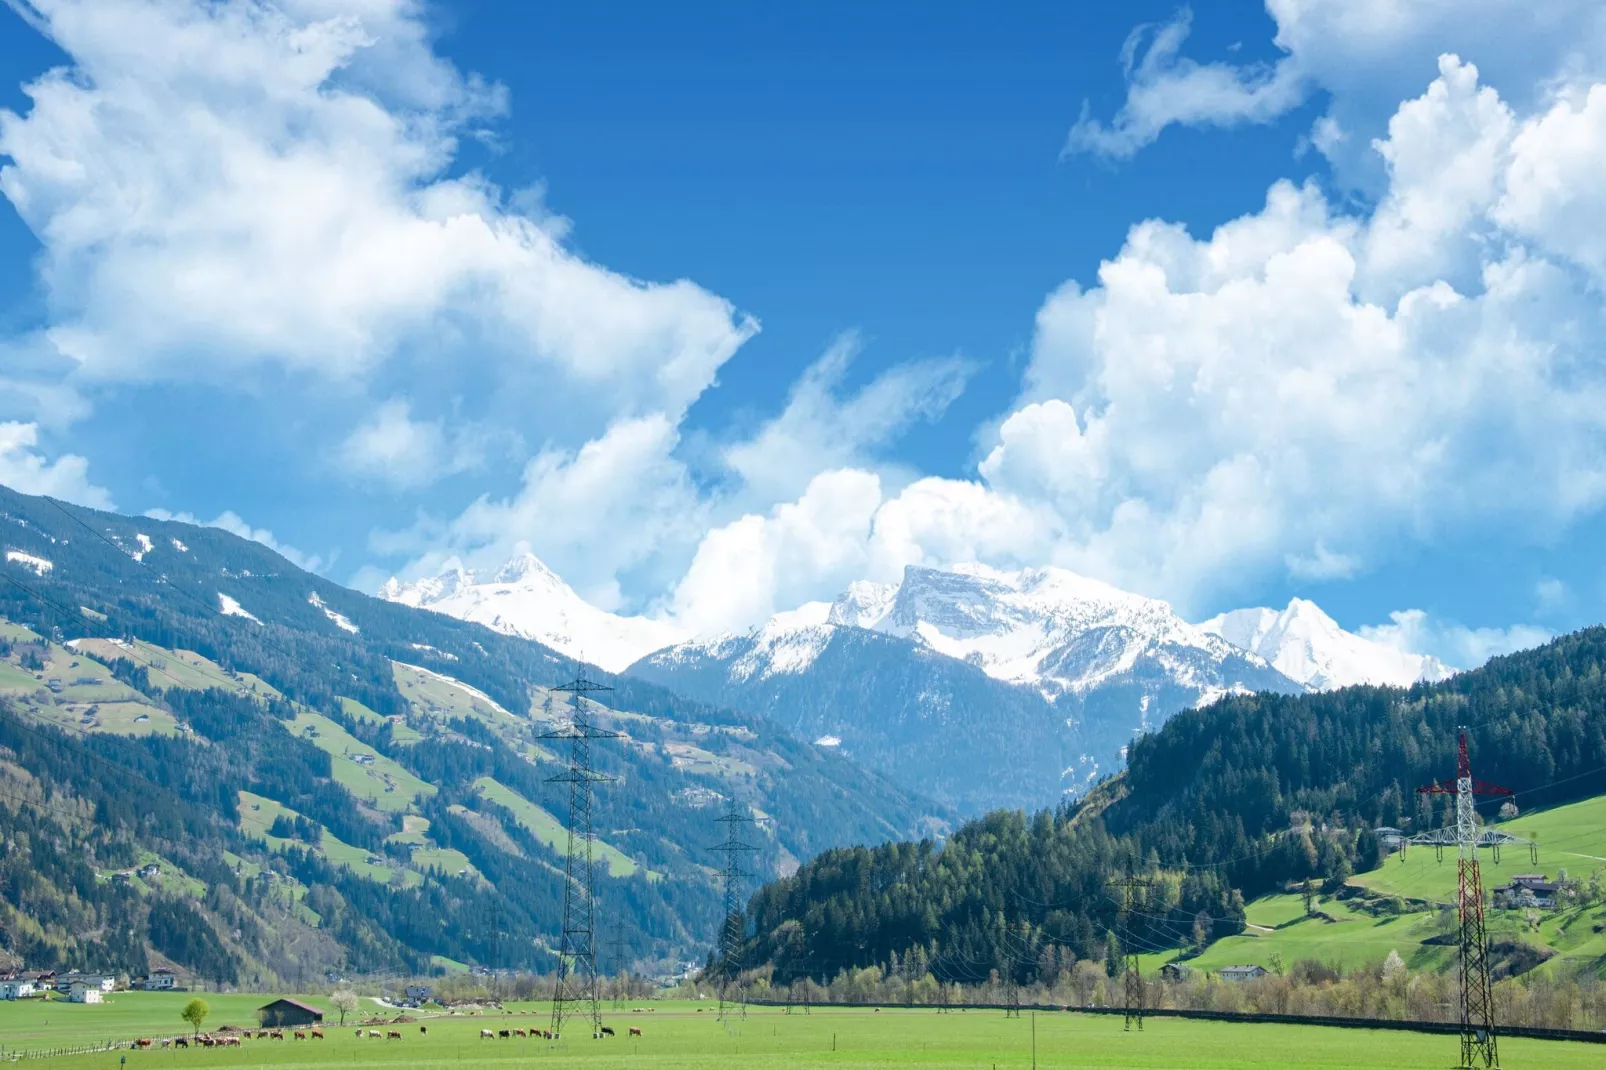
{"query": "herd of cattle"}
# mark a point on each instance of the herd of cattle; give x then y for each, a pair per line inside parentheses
(208, 1040)
(544, 1034)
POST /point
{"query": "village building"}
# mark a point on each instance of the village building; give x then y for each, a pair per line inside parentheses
(17, 988)
(160, 979)
(86, 992)
(1240, 973)
(1175, 971)
(286, 1011)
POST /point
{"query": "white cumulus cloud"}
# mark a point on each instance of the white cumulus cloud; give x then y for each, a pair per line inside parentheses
(227, 189)
(24, 469)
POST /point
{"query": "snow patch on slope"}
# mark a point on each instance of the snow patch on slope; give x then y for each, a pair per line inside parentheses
(340, 620)
(1308, 646)
(38, 564)
(231, 607)
(526, 599)
(145, 547)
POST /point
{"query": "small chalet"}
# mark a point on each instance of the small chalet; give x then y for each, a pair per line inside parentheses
(1175, 971)
(419, 993)
(1527, 890)
(1241, 973)
(282, 1012)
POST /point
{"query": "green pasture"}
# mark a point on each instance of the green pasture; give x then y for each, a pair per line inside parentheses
(257, 813)
(548, 829)
(382, 782)
(444, 698)
(681, 1036)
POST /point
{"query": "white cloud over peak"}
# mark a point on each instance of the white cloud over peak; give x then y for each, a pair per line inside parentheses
(407, 453)
(223, 188)
(819, 429)
(1302, 389)
(1415, 632)
(24, 469)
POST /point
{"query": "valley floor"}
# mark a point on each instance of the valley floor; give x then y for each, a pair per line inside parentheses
(686, 1035)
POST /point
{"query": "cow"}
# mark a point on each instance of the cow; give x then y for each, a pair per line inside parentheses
(317, 1034)
(230, 1042)
(143, 1042)
(299, 1035)
(277, 1034)
(359, 1032)
(394, 1034)
(181, 1042)
(167, 1042)
(374, 1033)
(607, 1030)
(521, 1034)
(635, 1030)
(262, 1034)
(486, 1034)
(502, 1033)
(423, 1030)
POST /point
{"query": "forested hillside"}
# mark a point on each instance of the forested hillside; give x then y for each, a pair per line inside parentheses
(212, 759)
(1220, 805)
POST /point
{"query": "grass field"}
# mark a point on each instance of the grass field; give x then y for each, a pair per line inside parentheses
(677, 1035)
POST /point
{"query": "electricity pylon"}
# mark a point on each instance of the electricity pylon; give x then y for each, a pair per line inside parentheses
(729, 956)
(1478, 1045)
(1133, 987)
(577, 944)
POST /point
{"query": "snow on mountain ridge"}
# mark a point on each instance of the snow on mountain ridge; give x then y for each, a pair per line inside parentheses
(525, 598)
(1308, 646)
(1045, 627)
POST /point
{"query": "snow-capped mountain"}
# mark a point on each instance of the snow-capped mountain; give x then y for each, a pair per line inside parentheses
(1051, 629)
(527, 599)
(1083, 665)
(1308, 646)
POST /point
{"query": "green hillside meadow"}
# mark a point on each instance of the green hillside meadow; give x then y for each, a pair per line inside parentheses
(687, 1035)
(1350, 930)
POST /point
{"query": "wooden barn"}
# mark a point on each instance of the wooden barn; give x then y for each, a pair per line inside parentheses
(283, 1012)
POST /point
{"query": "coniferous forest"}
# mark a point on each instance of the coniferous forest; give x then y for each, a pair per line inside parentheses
(1220, 805)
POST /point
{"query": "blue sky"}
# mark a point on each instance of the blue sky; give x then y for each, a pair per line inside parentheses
(718, 297)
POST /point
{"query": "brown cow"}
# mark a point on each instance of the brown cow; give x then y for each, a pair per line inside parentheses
(143, 1042)
(277, 1034)
(520, 1033)
(299, 1035)
(394, 1034)
(317, 1034)
(635, 1030)
(262, 1034)
(230, 1042)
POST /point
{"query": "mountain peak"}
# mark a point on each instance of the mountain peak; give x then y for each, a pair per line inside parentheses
(1308, 646)
(524, 597)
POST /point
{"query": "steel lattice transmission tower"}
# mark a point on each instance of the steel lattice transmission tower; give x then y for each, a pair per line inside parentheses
(577, 944)
(1478, 1045)
(1133, 974)
(729, 956)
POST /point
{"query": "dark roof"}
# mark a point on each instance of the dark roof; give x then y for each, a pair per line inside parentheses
(309, 1008)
